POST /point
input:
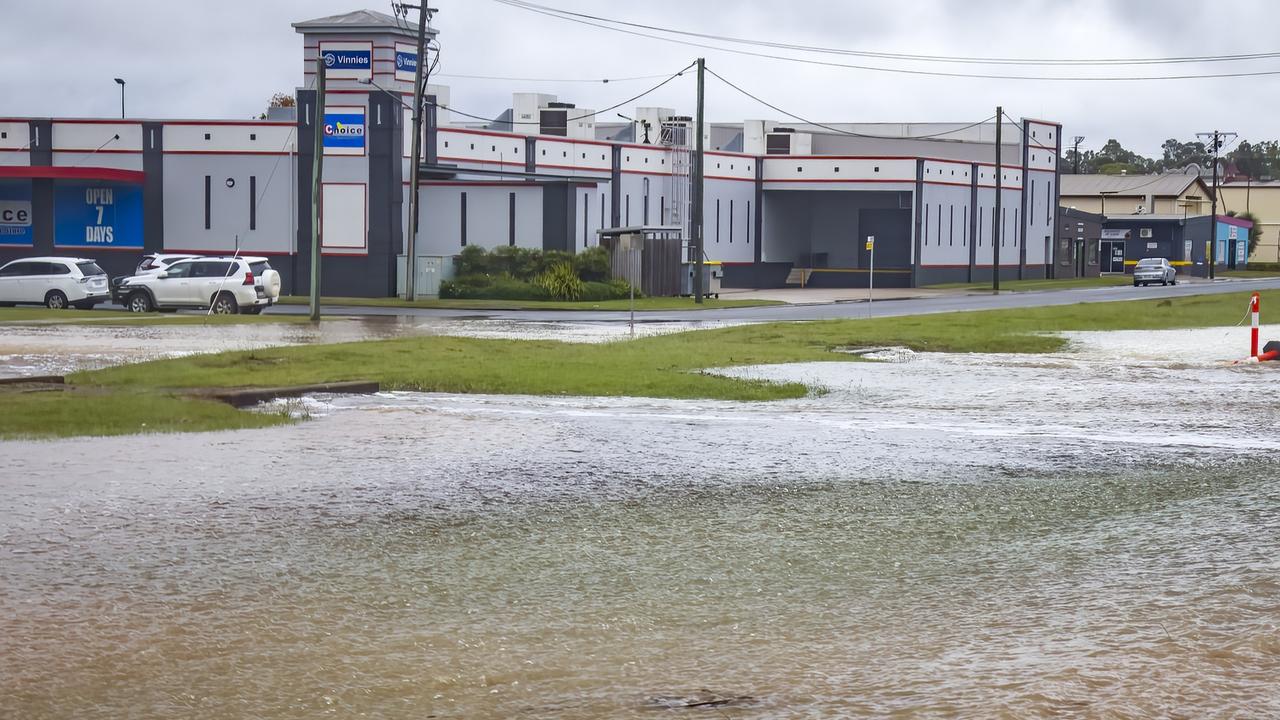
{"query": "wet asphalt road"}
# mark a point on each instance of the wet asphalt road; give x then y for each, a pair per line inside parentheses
(828, 311)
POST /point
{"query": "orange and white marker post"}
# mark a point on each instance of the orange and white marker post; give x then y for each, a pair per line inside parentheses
(1254, 308)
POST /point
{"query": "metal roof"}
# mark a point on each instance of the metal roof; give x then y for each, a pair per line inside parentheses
(358, 21)
(1172, 184)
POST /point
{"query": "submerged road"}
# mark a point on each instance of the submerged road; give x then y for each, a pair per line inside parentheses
(826, 311)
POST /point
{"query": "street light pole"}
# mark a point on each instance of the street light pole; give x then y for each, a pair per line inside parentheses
(411, 241)
(995, 216)
(698, 178)
(120, 82)
(317, 175)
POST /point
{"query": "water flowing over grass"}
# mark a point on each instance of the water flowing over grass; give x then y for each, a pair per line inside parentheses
(147, 397)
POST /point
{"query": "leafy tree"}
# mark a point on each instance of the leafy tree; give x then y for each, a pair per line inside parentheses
(279, 100)
(1178, 155)
(1257, 160)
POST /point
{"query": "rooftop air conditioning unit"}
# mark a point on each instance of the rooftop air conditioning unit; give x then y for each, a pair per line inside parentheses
(777, 143)
(553, 121)
(1144, 233)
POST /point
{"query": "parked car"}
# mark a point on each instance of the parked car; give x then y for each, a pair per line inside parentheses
(1153, 270)
(267, 277)
(151, 264)
(226, 285)
(55, 282)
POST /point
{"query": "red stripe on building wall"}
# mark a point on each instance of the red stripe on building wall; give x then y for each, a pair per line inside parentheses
(58, 172)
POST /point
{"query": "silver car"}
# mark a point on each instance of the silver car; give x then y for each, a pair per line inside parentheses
(1154, 270)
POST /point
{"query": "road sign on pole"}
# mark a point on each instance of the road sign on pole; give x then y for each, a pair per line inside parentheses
(871, 274)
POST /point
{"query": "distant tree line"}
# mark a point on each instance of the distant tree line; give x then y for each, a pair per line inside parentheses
(1260, 160)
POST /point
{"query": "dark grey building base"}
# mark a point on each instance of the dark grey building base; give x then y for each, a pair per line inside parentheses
(858, 279)
(758, 276)
(983, 275)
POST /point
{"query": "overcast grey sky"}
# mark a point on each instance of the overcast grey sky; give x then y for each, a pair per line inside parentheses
(224, 59)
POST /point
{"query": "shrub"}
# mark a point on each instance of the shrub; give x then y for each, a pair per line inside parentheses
(481, 287)
(612, 290)
(592, 264)
(473, 260)
(547, 260)
(561, 282)
(520, 263)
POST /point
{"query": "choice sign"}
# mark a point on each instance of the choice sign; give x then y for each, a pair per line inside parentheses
(97, 215)
(15, 214)
(344, 133)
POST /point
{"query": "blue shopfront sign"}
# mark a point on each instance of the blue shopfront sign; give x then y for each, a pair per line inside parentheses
(347, 59)
(15, 213)
(344, 132)
(406, 61)
(88, 215)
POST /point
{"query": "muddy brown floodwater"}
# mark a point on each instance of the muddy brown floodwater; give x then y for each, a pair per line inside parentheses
(1089, 534)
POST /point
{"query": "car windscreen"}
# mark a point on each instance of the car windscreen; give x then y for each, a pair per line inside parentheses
(90, 268)
(212, 269)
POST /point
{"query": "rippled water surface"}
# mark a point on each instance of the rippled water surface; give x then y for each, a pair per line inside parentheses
(1091, 534)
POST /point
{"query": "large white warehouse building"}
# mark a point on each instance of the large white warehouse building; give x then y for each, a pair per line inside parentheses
(782, 200)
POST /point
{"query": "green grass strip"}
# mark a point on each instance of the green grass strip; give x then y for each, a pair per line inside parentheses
(669, 366)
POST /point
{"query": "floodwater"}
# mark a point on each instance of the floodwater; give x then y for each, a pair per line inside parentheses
(55, 349)
(1088, 534)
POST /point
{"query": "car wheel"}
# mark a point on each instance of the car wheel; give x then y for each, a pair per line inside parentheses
(1164, 283)
(1136, 283)
(55, 300)
(139, 302)
(224, 304)
(1173, 281)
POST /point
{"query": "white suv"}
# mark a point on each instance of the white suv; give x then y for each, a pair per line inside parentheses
(55, 282)
(225, 285)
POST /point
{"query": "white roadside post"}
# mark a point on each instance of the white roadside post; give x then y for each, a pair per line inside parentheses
(871, 272)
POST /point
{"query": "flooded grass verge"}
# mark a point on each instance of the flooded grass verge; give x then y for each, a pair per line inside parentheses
(642, 304)
(34, 315)
(671, 366)
(87, 411)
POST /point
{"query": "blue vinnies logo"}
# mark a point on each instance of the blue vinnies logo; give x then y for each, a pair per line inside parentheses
(346, 59)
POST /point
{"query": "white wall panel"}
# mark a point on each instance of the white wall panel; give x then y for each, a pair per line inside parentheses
(248, 138)
(88, 136)
(345, 218)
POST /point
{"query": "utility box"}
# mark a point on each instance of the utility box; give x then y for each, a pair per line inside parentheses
(712, 275)
(432, 270)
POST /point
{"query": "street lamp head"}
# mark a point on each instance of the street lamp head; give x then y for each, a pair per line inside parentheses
(120, 81)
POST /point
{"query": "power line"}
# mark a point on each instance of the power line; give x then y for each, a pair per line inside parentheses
(573, 119)
(523, 4)
(603, 81)
(839, 131)
(560, 15)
